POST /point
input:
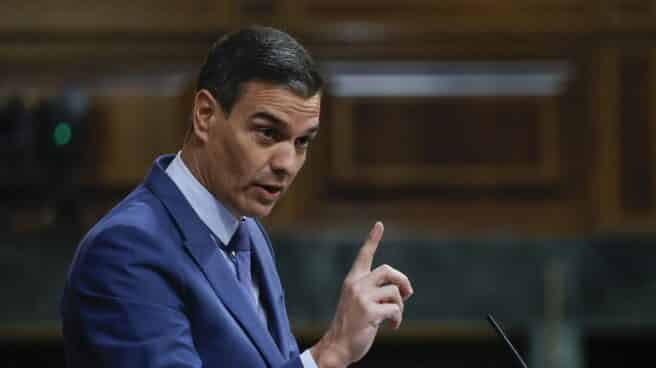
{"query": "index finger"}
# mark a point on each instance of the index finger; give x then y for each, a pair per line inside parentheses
(365, 257)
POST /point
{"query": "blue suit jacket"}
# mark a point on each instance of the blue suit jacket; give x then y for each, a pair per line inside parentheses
(149, 288)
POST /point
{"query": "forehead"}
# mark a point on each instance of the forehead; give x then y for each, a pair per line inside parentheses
(276, 99)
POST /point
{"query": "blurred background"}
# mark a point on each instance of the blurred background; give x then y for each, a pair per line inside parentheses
(509, 146)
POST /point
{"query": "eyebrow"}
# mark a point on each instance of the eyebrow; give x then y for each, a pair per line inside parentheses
(314, 130)
(270, 117)
(281, 123)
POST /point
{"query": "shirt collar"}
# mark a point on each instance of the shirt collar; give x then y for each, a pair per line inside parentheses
(217, 218)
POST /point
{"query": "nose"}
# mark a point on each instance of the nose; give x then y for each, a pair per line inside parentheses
(285, 161)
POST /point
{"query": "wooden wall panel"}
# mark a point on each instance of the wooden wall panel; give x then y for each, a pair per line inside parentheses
(337, 16)
(451, 163)
(626, 122)
(625, 15)
(637, 167)
(576, 161)
(466, 141)
(134, 116)
(334, 9)
(131, 131)
(115, 16)
(454, 15)
(447, 130)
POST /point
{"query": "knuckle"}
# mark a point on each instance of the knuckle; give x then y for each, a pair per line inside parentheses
(352, 288)
(347, 291)
(361, 300)
(351, 281)
(365, 250)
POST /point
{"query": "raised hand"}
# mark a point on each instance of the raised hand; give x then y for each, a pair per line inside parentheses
(368, 298)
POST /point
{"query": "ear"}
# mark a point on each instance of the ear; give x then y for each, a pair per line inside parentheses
(206, 112)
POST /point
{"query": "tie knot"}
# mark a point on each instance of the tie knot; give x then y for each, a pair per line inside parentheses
(240, 241)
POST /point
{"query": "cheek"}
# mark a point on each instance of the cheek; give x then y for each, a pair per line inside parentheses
(238, 170)
(227, 164)
(300, 164)
(297, 169)
(245, 163)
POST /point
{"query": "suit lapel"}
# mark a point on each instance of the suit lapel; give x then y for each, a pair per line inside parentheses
(269, 285)
(205, 252)
(233, 296)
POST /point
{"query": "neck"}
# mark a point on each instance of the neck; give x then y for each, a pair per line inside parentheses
(193, 159)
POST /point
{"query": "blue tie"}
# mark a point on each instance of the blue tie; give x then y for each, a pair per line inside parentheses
(239, 252)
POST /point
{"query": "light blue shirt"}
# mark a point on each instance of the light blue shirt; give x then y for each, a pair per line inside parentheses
(220, 221)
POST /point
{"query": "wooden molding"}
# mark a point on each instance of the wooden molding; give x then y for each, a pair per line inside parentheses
(356, 19)
(610, 210)
(605, 115)
(346, 170)
(116, 16)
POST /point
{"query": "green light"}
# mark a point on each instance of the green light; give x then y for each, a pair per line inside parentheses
(62, 134)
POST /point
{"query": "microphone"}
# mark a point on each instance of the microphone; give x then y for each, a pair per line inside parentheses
(518, 358)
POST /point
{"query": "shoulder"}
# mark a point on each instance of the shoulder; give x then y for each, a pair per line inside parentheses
(134, 247)
(139, 216)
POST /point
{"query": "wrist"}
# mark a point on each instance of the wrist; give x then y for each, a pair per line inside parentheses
(328, 354)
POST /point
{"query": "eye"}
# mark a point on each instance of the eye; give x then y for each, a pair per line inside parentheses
(267, 133)
(303, 142)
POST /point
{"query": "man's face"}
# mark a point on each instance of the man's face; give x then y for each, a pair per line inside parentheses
(254, 154)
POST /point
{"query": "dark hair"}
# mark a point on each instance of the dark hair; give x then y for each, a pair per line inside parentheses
(257, 54)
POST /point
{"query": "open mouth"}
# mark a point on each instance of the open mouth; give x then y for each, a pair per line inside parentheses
(271, 189)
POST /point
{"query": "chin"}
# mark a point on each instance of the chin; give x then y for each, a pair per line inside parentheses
(258, 210)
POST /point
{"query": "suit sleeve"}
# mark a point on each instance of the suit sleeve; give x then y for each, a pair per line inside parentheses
(293, 363)
(123, 307)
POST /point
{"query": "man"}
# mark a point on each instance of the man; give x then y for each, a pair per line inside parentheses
(181, 273)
